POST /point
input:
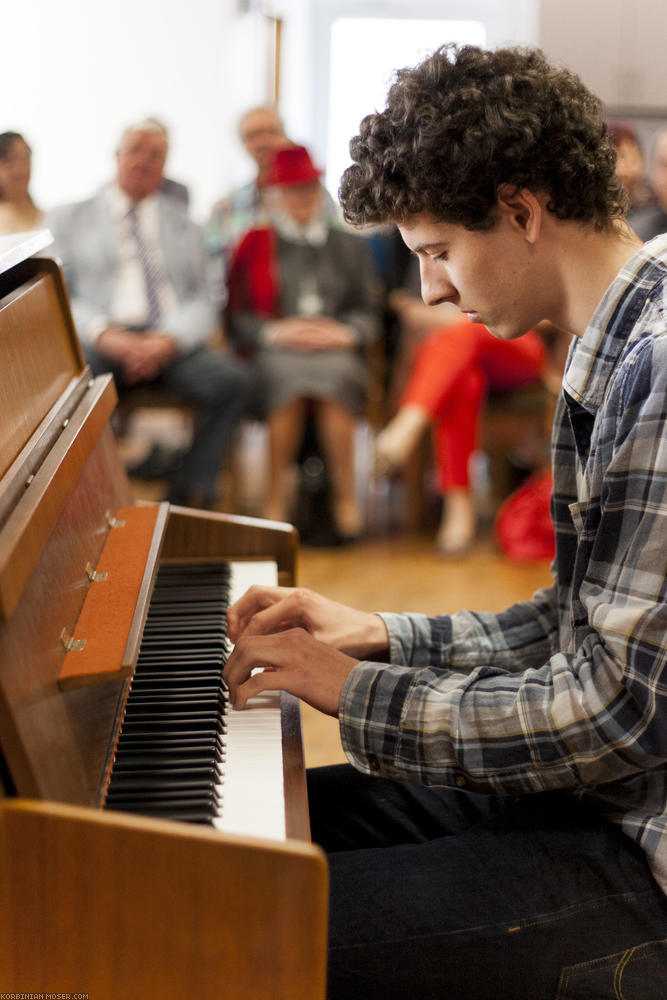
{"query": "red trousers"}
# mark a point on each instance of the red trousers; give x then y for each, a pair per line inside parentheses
(454, 367)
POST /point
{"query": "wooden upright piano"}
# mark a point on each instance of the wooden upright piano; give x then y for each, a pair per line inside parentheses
(130, 869)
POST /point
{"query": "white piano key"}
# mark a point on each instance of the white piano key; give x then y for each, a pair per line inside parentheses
(252, 788)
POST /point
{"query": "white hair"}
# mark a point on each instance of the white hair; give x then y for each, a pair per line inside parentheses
(145, 125)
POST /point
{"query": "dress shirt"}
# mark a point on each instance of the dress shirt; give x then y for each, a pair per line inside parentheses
(129, 305)
(567, 690)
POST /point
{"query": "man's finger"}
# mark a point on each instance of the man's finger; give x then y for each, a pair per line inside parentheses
(265, 680)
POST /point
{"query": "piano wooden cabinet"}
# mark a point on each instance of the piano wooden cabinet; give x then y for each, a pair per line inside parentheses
(97, 902)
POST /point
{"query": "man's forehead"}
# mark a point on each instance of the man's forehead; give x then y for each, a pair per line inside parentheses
(260, 121)
(145, 137)
(424, 229)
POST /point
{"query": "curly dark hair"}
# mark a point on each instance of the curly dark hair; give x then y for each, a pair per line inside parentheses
(466, 120)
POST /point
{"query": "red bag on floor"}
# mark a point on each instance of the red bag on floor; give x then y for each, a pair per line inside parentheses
(524, 529)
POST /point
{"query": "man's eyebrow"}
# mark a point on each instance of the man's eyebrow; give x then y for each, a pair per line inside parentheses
(426, 247)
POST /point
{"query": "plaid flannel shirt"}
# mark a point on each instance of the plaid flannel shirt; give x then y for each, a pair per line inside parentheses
(568, 690)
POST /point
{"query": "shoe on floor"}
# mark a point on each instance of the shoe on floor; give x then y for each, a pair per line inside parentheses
(160, 463)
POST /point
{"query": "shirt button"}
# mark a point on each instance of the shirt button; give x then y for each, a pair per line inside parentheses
(461, 781)
(374, 763)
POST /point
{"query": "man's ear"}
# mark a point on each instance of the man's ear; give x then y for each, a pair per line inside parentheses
(522, 209)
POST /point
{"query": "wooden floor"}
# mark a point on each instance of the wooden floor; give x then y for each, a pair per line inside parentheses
(404, 574)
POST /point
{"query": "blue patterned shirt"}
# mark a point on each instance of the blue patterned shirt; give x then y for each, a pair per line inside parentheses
(567, 690)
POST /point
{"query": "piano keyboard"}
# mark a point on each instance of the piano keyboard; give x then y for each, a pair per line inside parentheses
(183, 752)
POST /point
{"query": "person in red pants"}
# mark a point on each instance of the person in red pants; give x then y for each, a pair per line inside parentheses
(453, 369)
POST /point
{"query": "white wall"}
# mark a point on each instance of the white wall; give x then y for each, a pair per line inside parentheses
(73, 73)
(618, 48)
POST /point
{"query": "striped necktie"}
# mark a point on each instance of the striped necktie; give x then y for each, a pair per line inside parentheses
(150, 268)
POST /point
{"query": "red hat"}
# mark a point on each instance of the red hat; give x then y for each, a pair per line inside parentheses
(291, 165)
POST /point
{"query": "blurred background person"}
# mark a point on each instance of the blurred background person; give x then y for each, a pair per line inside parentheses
(630, 164)
(651, 220)
(169, 186)
(300, 303)
(18, 212)
(453, 369)
(135, 268)
(262, 133)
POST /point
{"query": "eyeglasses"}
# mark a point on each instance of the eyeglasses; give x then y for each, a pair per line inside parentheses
(154, 155)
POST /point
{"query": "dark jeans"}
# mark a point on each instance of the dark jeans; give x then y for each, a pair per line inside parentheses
(219, 387)
(439, 893)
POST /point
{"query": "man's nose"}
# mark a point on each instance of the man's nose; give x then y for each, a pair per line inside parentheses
(436, 286)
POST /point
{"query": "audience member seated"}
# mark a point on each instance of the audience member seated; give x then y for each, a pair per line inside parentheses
(262, 133)
(300, 303)
(651, 220)
(18, 212)
(415, 321)
(170, 187)
(630, 164)
(453, 368)
(134, 264)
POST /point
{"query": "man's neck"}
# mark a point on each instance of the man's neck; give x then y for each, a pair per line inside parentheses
(585, 264)
(125, 198)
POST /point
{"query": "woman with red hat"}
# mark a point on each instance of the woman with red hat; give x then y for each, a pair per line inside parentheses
(300, 302)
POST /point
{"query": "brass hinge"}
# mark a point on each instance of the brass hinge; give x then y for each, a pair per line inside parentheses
(70, 643)
(93, 575)
(114, 522)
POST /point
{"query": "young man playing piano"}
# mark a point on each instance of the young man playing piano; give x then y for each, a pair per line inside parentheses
(503, 832)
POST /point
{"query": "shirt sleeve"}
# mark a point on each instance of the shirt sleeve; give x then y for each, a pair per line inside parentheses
(513, 704)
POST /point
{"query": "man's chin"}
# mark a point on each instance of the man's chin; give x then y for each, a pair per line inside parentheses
(137, 192)
(505, 332)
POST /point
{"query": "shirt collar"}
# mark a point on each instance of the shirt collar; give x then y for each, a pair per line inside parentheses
(314, 234)
(593, 357)
(121, 203)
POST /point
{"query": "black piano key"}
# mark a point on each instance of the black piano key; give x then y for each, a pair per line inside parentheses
(173, 678)
(165, 727)
(178, 626)
(157, 742)
(171, 735)
(202, 803)
(168, 811)
(196, 778)
(157, 661)
(127, 761)
(177, 704)
(166, 703)
(209, 796)
(171, 747)
(185, 768)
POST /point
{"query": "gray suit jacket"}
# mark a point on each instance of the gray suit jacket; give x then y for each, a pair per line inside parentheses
(85, 240)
